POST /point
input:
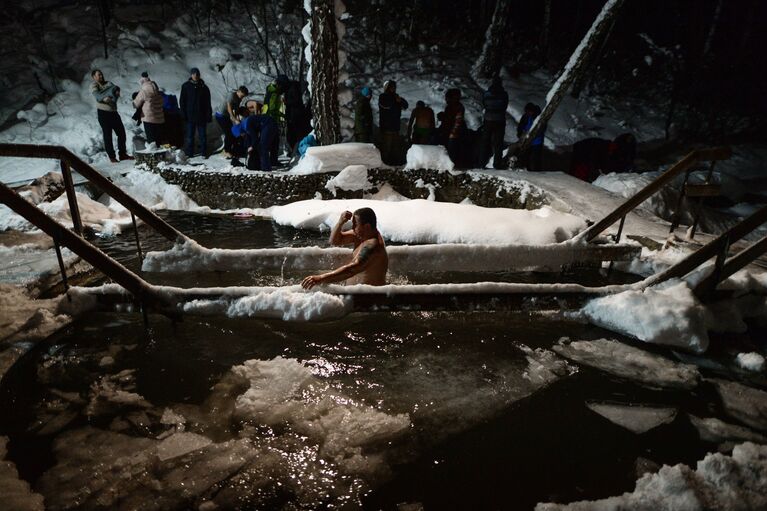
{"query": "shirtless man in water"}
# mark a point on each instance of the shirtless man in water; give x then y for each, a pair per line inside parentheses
(369, 260)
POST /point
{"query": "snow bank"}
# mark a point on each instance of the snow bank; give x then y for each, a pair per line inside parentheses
(720, 482)
(353, 177)
(433, 157)
(670, 315)
(751, 361)
(284, 391)
(336, 157)
(422, 221)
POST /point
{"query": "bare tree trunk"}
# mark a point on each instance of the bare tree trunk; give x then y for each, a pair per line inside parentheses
(104, 19)
(572, 69)
(543, 44)
(489, 62)
(267, 51)
(712, 30)
(325, 112)
(590, 62)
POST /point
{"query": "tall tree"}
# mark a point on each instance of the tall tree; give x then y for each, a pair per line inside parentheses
(489, 62)
(543, 44)
(573, 68)
(327, 126)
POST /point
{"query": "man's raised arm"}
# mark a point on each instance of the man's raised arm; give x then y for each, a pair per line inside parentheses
(339, 237)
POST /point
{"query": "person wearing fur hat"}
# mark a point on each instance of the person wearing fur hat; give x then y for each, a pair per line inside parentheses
(196, 110)
(149, 100)
(363, 117)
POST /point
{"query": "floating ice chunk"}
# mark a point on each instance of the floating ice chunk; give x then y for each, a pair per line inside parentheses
(432, 157)
(746, 404)
(179, 444)
(284, 391)
(353, 177)
(670, 315)
(637, 419)
(631, 363)
(719, 483)
(336, 157)
(750, 361)
(712, 429)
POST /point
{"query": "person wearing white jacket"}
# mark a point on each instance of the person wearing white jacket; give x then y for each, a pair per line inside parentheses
(149, 100)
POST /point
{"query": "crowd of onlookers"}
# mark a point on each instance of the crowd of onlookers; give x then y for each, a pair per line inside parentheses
(254, 130)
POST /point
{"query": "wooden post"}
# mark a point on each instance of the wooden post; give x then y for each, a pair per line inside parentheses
(74, 210)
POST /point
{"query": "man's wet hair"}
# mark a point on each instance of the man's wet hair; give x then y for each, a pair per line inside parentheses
(243, 90)
(93, 73)
(366, 216)
(420, 103)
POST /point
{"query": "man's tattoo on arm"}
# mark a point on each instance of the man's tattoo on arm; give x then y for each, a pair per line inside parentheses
(364, 254)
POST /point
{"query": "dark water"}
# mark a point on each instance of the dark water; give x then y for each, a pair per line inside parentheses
(481, 437)
(482, 434)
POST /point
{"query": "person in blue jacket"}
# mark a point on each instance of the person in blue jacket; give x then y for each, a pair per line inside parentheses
(260, 130)
(495, 100)
(534, 160)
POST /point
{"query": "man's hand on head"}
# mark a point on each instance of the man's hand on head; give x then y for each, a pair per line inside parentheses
(346, 216)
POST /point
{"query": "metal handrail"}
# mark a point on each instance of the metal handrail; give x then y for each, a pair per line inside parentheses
(137, 286)
(69, 159)
(698, 155)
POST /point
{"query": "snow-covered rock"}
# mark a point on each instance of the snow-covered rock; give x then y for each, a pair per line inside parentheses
(750, 361)
(669, 315)
(353, 177)
(336, 157)
(433, 157)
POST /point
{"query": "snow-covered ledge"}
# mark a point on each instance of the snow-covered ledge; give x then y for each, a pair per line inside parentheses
(242, 188)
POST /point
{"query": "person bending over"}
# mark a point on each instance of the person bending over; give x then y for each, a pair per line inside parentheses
(369, 260)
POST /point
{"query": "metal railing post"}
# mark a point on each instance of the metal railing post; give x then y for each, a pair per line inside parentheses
(74, 209)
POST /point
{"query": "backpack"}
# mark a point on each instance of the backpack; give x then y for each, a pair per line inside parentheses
(169, 103)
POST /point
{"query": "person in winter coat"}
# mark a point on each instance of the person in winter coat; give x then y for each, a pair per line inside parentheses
(495, 100)
(106, 95)
(390, 107)
(593, 156)
(534, 160)
(227, 115)
(420, 128)
(260, 130)
(363, 117)
(453, 125)
(196, 111)
(298, 118)
(273, 107)
(150, 101)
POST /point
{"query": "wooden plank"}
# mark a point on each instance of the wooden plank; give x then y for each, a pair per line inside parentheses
(114, 270)
(732, 265)
(95, 177)
(703, 190)
(716, 153)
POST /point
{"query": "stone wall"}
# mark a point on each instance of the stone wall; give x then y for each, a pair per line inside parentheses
(239, 189)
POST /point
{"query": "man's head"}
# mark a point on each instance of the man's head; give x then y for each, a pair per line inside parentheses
(420, 104)
(242, 91)
(97, 75)
(390, 86)
(364, 223)
(194, 73)
(253, 106)
(365, 92)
